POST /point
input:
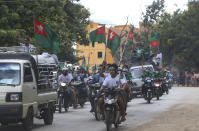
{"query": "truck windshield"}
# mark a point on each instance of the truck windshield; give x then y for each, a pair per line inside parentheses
(137, 72)
(9, 74)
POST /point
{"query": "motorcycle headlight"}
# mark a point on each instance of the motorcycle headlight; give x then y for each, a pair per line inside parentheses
(157, 84)
(109, 101)
(148, 80)
(63, 84)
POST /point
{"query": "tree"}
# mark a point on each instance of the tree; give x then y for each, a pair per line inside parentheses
(151, 17)
(180, 37)
(68, 18)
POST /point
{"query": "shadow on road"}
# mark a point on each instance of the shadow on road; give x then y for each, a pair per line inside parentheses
(19, 127)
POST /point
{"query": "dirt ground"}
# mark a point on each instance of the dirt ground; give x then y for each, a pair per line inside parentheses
(181, 117)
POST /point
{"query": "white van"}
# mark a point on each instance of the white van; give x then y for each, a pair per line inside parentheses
(136, 72)
(27, 88)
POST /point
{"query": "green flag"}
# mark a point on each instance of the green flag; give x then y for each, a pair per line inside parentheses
(61, 65)
(84, 63)
(97, 35)
(46, 37)
(130, 39)
(174, 58)
(155, 40)
(113, 42)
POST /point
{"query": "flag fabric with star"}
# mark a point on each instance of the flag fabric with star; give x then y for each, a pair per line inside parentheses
(130, 39)
(113, 42)
(46, 37)
(155, 40)
(97, 35)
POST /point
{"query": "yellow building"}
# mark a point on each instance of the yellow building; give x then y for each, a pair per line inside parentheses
(93, 55)
(96, 55)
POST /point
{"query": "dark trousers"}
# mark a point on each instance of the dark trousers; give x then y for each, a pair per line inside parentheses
(91, 99)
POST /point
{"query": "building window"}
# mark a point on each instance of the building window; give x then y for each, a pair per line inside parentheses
(99, 54)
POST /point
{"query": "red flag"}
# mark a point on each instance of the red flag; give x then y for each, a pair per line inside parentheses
(100, 30)
(154, 43)
(130, 36)
(111, 35)
(39, 28)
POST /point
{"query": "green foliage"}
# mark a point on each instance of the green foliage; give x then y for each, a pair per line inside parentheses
(180, 36)
(151, 17)
(67, 18)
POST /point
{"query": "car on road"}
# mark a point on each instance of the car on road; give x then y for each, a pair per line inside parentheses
(136, 72)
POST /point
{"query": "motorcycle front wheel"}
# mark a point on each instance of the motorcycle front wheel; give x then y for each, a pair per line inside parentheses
(157, 95)
(148, 97)
(60, 104)
(108, 120)
(97, 112)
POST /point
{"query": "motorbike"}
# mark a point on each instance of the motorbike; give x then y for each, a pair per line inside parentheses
(158, 88)
(80, 93)
(148, 90)
(131, 85)
(165, 85)
(111, 108)
(63, 95)
(95, 96)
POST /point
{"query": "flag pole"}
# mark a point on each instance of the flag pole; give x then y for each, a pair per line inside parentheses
(105, 42)
(34, 35)
(123, 49)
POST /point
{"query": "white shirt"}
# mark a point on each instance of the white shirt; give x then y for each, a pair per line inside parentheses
(110, 82)
(101, 79)
(159, 58)
(29, 48)
(106, 74)
(55, 58)
(67, 79)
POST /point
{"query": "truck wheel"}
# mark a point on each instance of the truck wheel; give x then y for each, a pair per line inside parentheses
(48, 116)
(28, 121)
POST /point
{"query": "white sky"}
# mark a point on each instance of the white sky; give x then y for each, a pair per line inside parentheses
(117, 11)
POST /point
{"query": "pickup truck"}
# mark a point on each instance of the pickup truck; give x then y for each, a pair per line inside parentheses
(27, 88)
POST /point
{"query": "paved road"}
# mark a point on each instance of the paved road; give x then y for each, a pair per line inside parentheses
(138, 113)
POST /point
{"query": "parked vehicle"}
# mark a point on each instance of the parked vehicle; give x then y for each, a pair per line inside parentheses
(27, 87)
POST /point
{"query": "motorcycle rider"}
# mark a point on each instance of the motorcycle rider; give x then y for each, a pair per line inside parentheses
(97, 78)
(82, 76)
(113, 80)
(146, 73)
(66, 77)
(128, 77)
